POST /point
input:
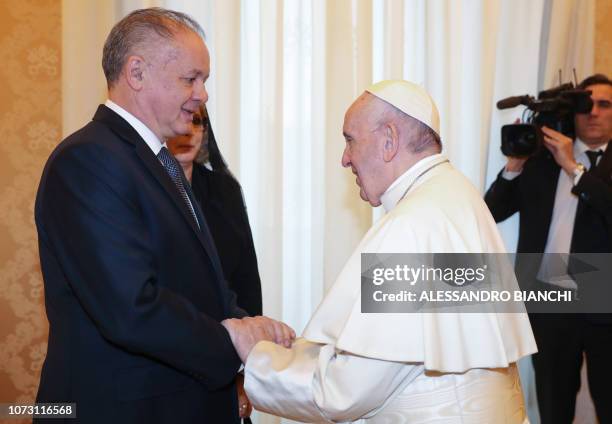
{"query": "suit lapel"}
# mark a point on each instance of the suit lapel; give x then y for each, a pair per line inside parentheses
(604, 167)
(124, 130)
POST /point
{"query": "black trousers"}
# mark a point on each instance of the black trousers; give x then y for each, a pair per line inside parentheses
(562, 339)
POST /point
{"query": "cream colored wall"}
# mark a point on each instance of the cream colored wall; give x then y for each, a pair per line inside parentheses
(30, 126)
(603, 37)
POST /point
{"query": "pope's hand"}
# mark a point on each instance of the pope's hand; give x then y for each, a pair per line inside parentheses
(247, 332)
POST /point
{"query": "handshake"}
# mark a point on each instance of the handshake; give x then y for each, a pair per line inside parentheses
(247, 332)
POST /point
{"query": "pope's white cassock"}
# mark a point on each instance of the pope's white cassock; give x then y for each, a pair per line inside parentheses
(402, 368)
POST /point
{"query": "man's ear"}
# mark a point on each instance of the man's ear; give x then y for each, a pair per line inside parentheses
(135, 69)
(391, 142)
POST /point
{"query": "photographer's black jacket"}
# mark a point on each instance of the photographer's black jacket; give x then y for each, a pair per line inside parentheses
(532, 194)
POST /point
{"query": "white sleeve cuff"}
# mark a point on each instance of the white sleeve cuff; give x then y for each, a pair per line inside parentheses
(510, 175)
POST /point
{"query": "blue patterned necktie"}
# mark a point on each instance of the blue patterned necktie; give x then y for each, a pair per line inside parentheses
(176, 173)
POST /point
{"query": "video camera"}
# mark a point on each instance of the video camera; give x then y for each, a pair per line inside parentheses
(554, 108)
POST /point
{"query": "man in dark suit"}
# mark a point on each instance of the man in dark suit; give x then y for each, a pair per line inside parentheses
(564, 197)
(142, 326)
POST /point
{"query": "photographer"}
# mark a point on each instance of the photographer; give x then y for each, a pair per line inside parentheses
(564, 196)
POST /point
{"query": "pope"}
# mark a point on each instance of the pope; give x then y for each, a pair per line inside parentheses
(352, 366)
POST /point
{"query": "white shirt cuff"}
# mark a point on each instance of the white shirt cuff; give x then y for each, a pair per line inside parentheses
(510, 175)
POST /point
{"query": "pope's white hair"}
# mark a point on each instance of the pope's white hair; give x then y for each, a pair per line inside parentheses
(418, 136)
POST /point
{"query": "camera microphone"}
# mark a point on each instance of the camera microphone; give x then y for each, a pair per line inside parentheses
(514, 101)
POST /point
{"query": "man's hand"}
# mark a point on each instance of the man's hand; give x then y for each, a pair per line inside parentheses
(247, 332)
(562, 149)
(515, 164)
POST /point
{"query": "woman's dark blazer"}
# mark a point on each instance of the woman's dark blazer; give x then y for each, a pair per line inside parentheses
(220, 198)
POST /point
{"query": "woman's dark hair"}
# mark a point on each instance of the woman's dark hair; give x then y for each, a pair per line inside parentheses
(209, 152)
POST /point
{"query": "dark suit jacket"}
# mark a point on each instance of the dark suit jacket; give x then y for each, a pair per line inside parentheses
(134, 291)
(220, 198)
(532, 194)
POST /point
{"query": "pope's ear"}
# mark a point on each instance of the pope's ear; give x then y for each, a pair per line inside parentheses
(391, 142)
(135, 69)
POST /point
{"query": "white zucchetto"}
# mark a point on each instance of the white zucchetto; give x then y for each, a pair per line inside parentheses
(410, 98)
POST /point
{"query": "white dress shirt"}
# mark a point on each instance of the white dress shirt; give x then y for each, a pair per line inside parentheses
(147, 135)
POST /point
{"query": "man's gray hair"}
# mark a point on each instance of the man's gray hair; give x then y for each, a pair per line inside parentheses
(422, 137)
(140, 27)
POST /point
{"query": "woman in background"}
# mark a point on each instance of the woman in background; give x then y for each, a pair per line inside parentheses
(220, 197)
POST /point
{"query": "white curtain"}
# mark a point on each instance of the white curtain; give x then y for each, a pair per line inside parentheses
(284, 72)
(568, 41)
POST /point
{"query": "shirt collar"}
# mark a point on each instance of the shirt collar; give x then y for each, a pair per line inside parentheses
(397, 189)
(580, 147)
(147, 135)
